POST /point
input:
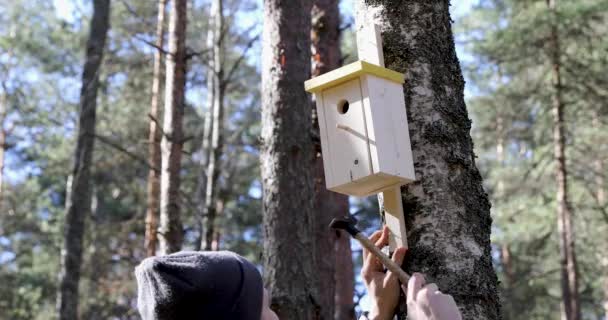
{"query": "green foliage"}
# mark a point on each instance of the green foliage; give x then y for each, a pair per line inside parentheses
(511, 109)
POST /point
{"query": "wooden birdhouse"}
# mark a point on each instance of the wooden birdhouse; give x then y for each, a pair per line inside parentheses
(363, 125)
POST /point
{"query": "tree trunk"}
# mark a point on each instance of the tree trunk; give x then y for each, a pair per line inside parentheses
(334, 267)
(565, 227)
(153, 188)
(287, 160)
(447, 212)
(201, 185)
(170, 230)
(79, 204)
(217, 136)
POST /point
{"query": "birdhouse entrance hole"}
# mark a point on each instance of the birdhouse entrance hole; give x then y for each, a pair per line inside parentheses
(343, 106)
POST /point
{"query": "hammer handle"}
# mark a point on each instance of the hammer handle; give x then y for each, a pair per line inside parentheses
(386, 261)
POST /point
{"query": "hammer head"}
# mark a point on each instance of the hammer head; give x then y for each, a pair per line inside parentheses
(347, 223)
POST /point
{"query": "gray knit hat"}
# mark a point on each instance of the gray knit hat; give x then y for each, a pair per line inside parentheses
(197, 286)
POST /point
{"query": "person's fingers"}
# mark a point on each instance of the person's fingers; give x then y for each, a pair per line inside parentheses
(431, 289)
(414, 285)
(383, 241)
(369, 264)
(373, 238)
(398, 256)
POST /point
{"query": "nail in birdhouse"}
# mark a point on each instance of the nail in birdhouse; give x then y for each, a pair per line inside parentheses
(363, 125)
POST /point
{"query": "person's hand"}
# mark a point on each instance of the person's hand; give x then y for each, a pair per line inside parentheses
(426, 302)
(382, 288)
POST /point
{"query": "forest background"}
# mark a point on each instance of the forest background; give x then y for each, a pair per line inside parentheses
(505, 51)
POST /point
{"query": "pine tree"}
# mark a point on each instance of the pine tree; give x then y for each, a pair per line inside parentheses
(170, 230)
(153, 183)
(80, 195)
(287, 160)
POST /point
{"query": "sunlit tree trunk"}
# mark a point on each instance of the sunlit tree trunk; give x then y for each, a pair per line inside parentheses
(217, 134)
(287, 160)
(79, 204)
(447, 211)
(565, 226)
(332, 251)
(170, 230)
(153, 188)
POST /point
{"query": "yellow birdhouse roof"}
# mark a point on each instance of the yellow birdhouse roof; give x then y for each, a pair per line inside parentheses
(348, 72)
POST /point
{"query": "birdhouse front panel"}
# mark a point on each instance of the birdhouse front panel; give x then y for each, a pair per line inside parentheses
(346, 133)
(363, 126)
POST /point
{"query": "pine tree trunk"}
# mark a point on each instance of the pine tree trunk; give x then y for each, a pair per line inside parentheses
(565, 226)
(447, 211)
(217, 136)
(79, 204)
(170, 230)
(153, 188)
(332, 250)
(287, 160)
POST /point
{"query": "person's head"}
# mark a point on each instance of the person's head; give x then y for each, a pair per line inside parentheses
(201, 285)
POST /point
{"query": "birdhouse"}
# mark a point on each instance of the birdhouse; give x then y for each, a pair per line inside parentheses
(363, 125)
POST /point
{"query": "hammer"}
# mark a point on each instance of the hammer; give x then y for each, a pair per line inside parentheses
(348, 224)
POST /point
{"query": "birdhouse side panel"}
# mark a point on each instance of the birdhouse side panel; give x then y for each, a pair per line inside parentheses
(346, 133)
(387, 118)
(324, 140)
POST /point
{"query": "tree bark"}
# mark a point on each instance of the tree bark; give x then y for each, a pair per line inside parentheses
(79, 204)
(170, 231)
(565, 227)
(153, 188)
(287, 160)
(447, 212)
(201, 185)
(217, 136)
(334, 267)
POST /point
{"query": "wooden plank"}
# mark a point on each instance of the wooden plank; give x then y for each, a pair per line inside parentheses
(394, 217)
(369, 44)
(369, 48)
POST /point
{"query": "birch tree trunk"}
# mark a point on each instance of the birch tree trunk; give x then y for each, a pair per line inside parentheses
(170, 230)
(565, 227)
(201, 185)
(153, 187)
(447, 212)
(79, 204)
(217, 137)
(287, 160)
(334, 267)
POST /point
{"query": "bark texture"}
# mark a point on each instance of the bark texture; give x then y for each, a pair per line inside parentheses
(287, 160)
(217, 137)
(565, 226)
(153, 183)
(333, 258)
(170, 230)
(447, 212)
(79, 202)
